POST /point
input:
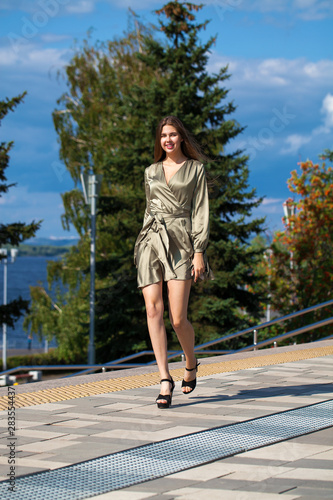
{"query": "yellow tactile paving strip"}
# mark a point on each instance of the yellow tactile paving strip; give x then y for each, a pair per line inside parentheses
(57, 394)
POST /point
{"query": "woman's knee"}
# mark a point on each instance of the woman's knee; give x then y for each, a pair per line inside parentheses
(154, 310)
(178, 322)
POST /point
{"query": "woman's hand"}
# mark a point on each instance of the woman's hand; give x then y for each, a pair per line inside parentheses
(198, 266)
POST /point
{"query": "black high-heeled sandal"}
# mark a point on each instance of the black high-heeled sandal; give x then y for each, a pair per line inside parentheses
(166, 397)
(192, 383)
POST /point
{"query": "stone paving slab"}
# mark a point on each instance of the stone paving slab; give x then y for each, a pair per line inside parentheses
(55, 434)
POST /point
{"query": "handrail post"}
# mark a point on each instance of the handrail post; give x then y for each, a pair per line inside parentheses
(255, 339)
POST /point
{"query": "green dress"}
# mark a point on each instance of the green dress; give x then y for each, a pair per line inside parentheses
(175, 224)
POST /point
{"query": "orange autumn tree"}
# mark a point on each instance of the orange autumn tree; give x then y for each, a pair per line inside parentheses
(301, 267)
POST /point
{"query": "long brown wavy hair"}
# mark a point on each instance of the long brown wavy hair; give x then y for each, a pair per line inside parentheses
(189, 145)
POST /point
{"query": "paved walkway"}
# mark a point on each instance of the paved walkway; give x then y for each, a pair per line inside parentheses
(67, 421)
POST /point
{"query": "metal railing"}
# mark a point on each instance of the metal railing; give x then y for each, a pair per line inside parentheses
(255, 329)
(122, 363)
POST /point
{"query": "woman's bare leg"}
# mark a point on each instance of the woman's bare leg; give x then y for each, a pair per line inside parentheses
(155, 308)
(178, 295)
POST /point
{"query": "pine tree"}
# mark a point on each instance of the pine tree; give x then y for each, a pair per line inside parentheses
(188, 91)
(15, 233)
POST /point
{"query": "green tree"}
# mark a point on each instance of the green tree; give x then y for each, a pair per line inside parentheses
(302, 259)
(12, 234)
(118, 92)
(200, 100)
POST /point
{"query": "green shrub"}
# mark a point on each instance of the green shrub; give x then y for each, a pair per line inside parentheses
(50, 358)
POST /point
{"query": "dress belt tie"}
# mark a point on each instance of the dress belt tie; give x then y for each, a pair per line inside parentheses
(165, 216)
(159, 239)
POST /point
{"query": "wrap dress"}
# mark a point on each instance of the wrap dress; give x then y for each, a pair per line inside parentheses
(175, 224)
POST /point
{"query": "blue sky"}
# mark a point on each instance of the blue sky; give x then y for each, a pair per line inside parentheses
(280, 57)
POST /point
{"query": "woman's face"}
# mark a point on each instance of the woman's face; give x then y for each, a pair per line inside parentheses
(171, 140)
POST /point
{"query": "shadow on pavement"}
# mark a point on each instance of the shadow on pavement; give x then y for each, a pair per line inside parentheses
(265, 392)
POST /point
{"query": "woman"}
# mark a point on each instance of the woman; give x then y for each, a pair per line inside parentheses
(171, 245)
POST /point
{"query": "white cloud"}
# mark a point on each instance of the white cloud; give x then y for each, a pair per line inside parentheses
(327, 110)
(20, 196)
(319, 70)
(313, 10)
(80, 7)
(51, 7)
(271, 94)
(275, 72)
(296, 141)
(45, 57)
(9, 199)
(32, 58)
(308, 10)
(270, 206)
(22, 205)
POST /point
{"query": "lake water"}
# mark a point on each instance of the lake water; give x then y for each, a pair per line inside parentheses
(23, 273)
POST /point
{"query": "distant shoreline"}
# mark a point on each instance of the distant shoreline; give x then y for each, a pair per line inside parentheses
(44, 247)
(29, 250)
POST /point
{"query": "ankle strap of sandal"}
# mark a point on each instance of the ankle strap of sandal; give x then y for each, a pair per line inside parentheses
(191, 369)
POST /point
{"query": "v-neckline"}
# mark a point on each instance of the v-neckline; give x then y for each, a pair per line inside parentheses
(163, 172)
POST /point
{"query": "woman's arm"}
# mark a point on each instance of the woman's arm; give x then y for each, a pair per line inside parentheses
(147, 191)
(200, 222)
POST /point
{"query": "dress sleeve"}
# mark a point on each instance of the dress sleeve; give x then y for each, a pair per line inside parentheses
(147, 191)
(200, 213)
